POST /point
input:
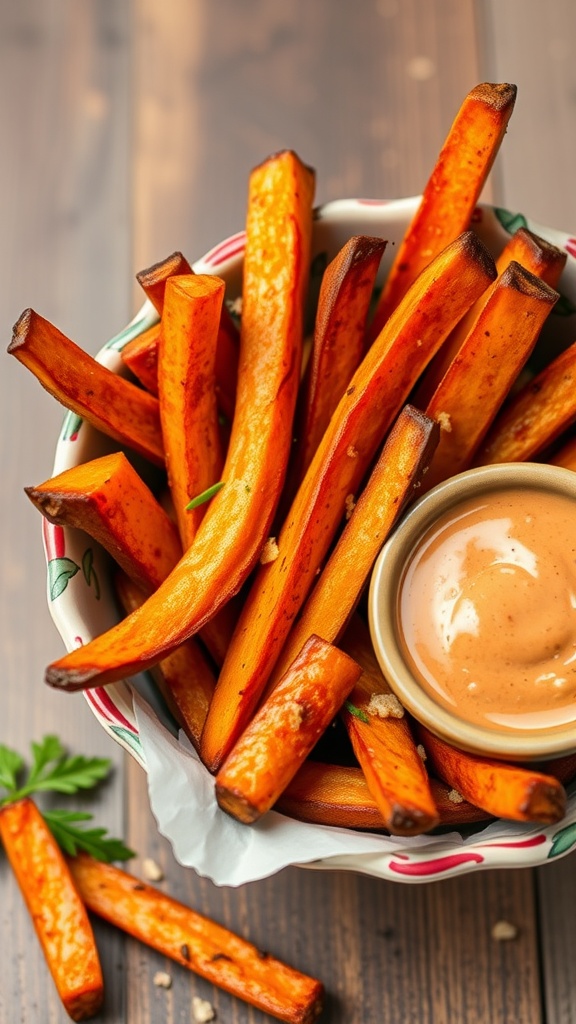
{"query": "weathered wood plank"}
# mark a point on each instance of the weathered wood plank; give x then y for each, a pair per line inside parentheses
(65, 244)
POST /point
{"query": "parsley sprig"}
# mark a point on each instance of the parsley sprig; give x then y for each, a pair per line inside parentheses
(52, 770)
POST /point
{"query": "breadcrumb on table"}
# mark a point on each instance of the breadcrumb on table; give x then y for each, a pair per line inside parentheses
(504, 931)
(151, 870)
(202, 1010)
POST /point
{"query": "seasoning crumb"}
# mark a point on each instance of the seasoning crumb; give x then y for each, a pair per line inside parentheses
(444, 421)
(235, 306)
(352, 452)
(151, 870)
(162, 980)
(421, 752)
(455, 797)
(504, 931)
(202, 1010)
(349, 505)
(270, 551)
(385, 705)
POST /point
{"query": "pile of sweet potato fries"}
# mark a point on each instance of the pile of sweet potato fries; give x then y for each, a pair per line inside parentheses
(245, 604)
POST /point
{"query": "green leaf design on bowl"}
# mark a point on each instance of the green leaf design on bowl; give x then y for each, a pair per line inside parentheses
(510, 221)
(563, 840)
(60, 572)
(89, 571)
(71, 426)
(130, 739)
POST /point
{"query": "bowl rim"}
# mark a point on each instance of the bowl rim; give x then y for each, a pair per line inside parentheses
(113, 706)
(520, 744)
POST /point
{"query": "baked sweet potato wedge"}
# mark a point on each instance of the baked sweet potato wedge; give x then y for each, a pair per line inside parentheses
(113, 405)
(338, 795)
(506, 791)
(392, 483)
(452, 190)
(536, 416)
(285, 730)
(339, 339)
(184, 677)
(536, 255)
(233, 531)
(141, 357)
(154, 280)
(187, 392)
(197, 943)
(57, 911)
(382, 741)
(485, 368)
(366, 411)
(109, 501)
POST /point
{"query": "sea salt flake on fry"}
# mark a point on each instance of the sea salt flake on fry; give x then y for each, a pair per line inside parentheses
(385, 705)
(270, 551)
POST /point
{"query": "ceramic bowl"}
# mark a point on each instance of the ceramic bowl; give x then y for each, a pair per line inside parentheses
(79, 592)
(519, 744)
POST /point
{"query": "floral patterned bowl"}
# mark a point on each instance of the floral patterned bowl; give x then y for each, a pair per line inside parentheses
(82, 604)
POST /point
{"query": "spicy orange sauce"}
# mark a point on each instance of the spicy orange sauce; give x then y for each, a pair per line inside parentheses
(487, 610)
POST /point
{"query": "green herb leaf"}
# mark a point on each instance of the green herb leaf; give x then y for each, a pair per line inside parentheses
(71, 774)
(200, 499)
(49, 749)
(95, 841)
(10, 765)
(356, 712)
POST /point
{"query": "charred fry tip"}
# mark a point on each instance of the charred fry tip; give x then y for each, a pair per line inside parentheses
(476, 249)
(535, 243)
(362, 247)
(70, 681)
(545, 802)
(516, 276)
(410, 821)
(236, 805)
(496, 95)
(279, 154)
(164, 268)
(21, 329)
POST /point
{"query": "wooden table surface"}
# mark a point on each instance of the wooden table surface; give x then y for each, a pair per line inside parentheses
(128, 130)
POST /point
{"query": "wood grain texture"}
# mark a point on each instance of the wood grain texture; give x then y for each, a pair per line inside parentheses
(64, 249)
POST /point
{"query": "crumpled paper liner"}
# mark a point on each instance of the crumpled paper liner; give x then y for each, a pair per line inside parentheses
(205, 838)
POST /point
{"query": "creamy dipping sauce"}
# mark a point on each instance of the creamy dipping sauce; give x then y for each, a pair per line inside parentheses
(487, 610)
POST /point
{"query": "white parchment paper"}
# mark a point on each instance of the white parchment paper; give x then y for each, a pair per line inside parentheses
(205, 838)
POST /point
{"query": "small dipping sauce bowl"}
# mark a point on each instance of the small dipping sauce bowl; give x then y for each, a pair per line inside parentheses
(473, 624)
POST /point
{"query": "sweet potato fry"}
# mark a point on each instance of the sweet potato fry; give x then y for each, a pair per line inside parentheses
(338, 346)
(375, 394)
(141, 357)
(535, 254)
(566, 455)
(184, 677)
(109, 501)
(482, 373)
(186, 386)
(383, 743)
(536, 416)
(504, 790)
(57, 911)
(113, 405)
(285, 730)
(197, 943)
(452, 190)
(406, 454)
(153, 280)
(233, 531)
(338, 795)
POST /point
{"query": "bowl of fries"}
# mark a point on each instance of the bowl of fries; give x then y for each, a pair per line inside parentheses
(83, 602)
(263, 671)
